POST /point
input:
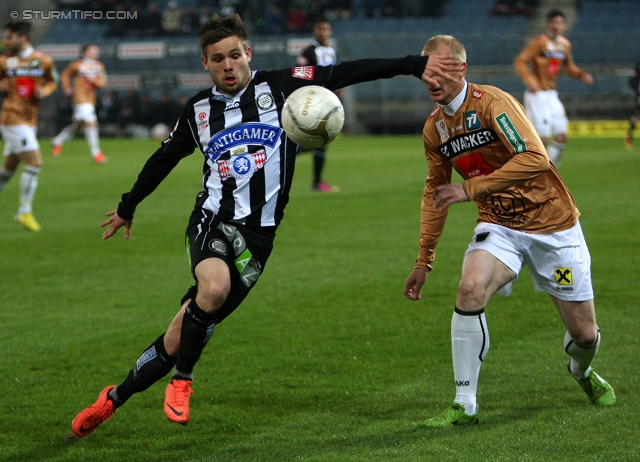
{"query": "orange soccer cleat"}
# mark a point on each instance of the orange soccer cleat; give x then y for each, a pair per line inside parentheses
(100, 158)
(56, 150)
(91, 418)
(176, 400)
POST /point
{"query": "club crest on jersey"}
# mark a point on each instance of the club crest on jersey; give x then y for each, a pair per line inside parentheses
(303, 72)
(477, 94)
(441, 126)
(242, 165)
(265, 101)
(471, 121)
(248, 133)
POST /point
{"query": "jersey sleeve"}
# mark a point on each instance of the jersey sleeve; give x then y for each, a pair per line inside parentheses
(347, 73)
(101, 80)
(570, 68)
(67, 74)
(51, 78)
(307, 57)
(177, 146)
(522, 61)
(432, 221)
(529, 158)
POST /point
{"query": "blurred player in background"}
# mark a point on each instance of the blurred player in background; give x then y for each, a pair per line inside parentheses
(81, 81)
(538, 65)
(26, 76)
(526, 216)
(634, 82)
(319, 53)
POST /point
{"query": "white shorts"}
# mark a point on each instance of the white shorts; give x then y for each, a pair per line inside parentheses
(84, 112)
(546, 112)
(559, 263)
(18, 139)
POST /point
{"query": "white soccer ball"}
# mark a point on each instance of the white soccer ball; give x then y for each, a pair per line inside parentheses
(312, 116)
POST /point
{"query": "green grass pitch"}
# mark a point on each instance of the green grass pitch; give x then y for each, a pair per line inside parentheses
(326, 360)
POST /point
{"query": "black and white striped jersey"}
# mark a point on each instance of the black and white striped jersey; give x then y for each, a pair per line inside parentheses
(248, 159)
(317, 55)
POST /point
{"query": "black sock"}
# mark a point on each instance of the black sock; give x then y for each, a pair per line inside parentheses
(318, 163)
(197, 328)
(153, 364)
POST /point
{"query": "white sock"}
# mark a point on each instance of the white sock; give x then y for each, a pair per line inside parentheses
(469, 347)
(581, 358)
(28, 187)
(65, 135)
(91, 135)
(5, 176)
(555, 151)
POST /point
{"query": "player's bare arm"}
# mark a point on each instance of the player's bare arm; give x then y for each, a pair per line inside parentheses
(414, 284)
(445, 195)
(115, 222)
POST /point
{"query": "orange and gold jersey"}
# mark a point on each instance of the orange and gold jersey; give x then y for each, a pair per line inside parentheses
(540, 62)
(84, 77)
(24, 75)
(492, 145)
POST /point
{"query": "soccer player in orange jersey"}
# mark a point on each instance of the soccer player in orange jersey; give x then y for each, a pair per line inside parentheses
(538, 65)
(26, 76)
(526, 216)
(81, 80)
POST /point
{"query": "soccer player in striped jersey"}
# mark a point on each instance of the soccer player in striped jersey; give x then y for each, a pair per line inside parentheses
(526, 216)
(81, 81)
(539, 64)
(319, 53)
(248, 169)
(26, 76)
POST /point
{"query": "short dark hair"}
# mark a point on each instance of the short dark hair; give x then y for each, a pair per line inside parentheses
(553, 13)
(320, 20)
(86, 46)
(220, 27)
(19, 27)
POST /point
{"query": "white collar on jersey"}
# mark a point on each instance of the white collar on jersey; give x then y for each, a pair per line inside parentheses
(454, 105)
(26, 53)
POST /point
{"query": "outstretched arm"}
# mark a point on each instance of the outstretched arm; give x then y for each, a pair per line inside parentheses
(115, 222)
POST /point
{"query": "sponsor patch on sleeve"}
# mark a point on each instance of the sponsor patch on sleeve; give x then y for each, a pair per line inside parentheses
(303, 72)
(511, 133)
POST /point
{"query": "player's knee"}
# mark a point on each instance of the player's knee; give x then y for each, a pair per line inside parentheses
(212, 294)
(472, 294)
(585, 338)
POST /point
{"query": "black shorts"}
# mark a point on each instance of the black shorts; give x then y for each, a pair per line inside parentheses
(244, 250)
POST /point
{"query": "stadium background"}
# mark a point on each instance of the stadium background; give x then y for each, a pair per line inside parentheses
(143, 66)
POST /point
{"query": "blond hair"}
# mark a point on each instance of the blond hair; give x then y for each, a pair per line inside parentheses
(454, 45)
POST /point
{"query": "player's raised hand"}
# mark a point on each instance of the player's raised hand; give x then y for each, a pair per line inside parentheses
(115, 222)
(441, 65)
